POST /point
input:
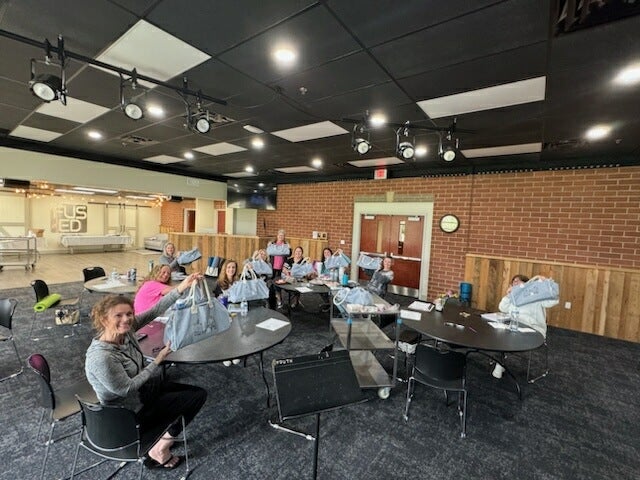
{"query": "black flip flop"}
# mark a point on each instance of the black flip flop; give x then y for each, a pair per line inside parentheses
(152, 464)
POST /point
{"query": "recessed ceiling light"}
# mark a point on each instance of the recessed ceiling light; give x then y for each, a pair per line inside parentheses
(598, 132)
(377, 120)
(188, 155)
(155, 110)
(252, 129)
(420, 151)
(94, 134)
(629, 75)
(316, 162)
(284, 56)
(261, 184)
(257, 143)
(248, 169)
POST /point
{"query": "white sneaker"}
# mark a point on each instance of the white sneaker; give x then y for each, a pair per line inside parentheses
(227, 363)
(498, 371)
(236, 361)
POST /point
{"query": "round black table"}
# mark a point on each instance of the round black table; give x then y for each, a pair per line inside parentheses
(292, 288)
(104, 285)
(463, 327)
(243, 338)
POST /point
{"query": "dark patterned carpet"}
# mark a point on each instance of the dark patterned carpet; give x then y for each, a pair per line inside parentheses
(581, 422)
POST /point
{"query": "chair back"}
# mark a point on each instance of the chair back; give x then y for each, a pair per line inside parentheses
(40, 367)
(440, 365)
(41, 289)
(7, 307)
(93, 272)
(110, 430)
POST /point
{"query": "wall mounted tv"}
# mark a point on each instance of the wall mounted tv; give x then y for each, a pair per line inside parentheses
(246, 194)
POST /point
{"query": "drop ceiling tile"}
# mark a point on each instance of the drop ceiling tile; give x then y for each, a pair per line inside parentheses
(34, 134)
(376, 162)
(503, 150)
(222, 148)
(153, 52)
(311, 132)
(300, 169)
(164, 159)
(75, 110)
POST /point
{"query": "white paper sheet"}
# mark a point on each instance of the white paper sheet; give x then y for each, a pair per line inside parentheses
(499, 326)
(409, 315)
(304, 289)
(422, 306)
(108, 285)
(495, 317)
(272, 324)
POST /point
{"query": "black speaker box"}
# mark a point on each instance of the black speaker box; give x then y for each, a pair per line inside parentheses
(315, 383)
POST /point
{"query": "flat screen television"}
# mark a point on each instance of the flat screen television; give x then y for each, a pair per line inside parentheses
(245, 194)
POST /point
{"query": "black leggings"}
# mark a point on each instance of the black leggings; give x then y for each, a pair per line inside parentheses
(167, 400)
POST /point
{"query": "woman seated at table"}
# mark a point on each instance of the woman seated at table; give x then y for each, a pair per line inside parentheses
(532, 315)
(296, 259)
(117, 371)
(155, 286)
(170, 257)
(381, 278)
(227, 277)
(261, 254)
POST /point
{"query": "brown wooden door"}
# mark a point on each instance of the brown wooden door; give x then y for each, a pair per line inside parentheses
(399, 236)
(222, 219)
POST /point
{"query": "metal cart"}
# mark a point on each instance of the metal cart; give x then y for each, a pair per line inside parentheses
(18, 251)
(361, 337)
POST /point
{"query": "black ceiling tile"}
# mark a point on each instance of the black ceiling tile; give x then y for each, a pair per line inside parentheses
(137, 7)
(505, 26)
(504, 67)
(216, 26)
(53, 124)
(17, 95)
(254, 57)
(85, 26)
(95, 86)
(366, 20)
(10, 116)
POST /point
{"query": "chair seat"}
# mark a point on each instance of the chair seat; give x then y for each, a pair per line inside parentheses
(453, 385)
(66, 302)
(66, 401)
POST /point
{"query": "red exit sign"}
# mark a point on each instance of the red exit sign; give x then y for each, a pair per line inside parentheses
(380, 174)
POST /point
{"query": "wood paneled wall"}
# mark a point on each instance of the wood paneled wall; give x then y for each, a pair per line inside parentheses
(237, 247)
(604, 300)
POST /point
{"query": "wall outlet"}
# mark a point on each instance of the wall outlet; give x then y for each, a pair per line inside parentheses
(322, 235)
(342, 242)
(314, 234)
(567, 305)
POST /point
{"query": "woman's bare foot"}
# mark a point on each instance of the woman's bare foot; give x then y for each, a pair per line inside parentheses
(160, 451)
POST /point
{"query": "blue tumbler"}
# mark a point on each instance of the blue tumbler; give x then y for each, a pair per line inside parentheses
(465, 293)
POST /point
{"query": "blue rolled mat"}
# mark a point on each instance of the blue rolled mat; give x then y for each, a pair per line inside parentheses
(47, 302)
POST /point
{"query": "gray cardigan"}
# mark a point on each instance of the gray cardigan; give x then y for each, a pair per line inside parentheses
(116, 372)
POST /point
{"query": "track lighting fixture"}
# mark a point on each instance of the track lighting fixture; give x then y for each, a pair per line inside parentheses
(46, 86)
(449, 147)
(405, 149)
(129, 106)
(200, 121)
(359, 143)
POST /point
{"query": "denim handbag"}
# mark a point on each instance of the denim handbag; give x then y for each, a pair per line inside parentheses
(185, 258)
(249, 288)
(369, 263)
(195, 317)
(302, 269)
(282, 250)
(535, 291)
(356, 295)
(261, 267)
(337, 260)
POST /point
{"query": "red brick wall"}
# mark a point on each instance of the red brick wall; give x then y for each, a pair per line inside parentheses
(172, 214)
(586, 216)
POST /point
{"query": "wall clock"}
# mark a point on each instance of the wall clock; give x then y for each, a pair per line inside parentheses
(449, 223)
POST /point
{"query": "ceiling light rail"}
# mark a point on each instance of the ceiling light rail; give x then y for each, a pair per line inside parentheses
(66, 54)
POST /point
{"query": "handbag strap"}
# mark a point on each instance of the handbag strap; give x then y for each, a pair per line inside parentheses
(248, 271)
(344, 293)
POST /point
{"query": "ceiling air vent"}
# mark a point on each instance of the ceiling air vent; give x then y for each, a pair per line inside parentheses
(565, 144)
(137, 140)
(574, 15)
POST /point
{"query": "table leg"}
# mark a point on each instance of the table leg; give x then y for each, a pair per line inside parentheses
(506, 369)
(264, 379)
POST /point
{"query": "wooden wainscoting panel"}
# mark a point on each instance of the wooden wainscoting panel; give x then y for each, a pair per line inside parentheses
(604, 300)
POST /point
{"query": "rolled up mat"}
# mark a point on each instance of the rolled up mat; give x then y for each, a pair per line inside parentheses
(47, 302)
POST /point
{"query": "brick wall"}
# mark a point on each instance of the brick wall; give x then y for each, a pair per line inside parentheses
(172, 215)
(586, 216)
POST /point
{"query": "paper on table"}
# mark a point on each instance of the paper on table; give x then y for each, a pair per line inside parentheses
(499, 326)
(409, 315)
(272, 324)
(107, 285)
(526, 329)
(495, 317)
(304, 289)
(424, 306)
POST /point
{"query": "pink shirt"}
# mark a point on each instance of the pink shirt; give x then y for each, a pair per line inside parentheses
(149, 294)
(278, 260)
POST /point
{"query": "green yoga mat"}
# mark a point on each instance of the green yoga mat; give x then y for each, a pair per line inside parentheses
(47, 302)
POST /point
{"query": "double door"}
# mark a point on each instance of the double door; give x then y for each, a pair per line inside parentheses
(399, 236)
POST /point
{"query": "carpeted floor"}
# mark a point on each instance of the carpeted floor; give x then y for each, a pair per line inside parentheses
(581, 422)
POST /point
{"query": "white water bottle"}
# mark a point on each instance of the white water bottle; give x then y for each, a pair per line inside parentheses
(115, 276)
(244, 307)
(513, 326)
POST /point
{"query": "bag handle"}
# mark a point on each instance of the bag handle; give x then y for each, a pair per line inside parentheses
(204, 286)
(248, 271)
(336, 298)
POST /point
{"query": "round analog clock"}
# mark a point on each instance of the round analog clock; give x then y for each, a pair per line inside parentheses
(449, 223)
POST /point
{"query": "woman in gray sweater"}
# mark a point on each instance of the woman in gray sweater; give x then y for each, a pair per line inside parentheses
(116, 370)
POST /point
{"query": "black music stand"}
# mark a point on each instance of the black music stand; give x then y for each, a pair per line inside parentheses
(312, 384)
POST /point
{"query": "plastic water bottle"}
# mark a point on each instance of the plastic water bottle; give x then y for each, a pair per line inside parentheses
(244, 307)
(115, 276)
(515, 314)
